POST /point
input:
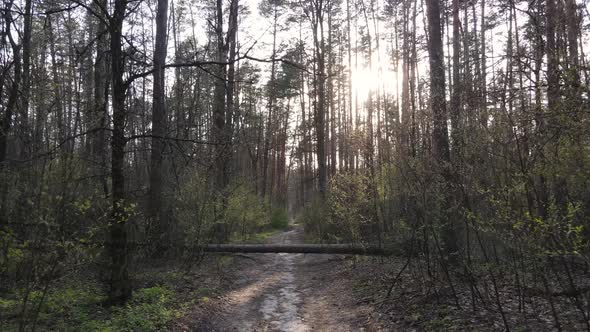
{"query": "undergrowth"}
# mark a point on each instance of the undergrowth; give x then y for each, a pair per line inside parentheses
(80, 308)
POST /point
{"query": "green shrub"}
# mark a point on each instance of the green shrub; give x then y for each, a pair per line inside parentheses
(279, 218)
(194, 208)
(245, 213)
(345, 215)
(315, 218)
(350, 207)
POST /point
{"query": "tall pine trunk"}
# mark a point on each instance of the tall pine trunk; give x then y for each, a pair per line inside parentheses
(159, 229)
(440, 140)
(270, 106)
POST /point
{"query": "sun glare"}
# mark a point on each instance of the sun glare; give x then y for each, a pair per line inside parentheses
(365, 81)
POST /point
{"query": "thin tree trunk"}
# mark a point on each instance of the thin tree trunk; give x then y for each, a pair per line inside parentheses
(348, 125)
(58, 95)
(457, 86)
(101, 92)
(573, 31)
(219, 103)
(26, 79)
(271, 102)
(330, 85)
(11, 105)
(231, 73)
(484, 94)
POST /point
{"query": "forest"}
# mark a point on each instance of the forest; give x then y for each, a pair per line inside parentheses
(442, 145)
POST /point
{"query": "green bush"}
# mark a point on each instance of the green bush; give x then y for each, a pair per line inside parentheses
(279, 218)
(246, 213)
(350, 207)
(194, 208)
(315, 218)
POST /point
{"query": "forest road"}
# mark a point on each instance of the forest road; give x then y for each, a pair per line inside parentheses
(290, 292)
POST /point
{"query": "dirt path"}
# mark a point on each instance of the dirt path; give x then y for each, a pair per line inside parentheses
(291, 292)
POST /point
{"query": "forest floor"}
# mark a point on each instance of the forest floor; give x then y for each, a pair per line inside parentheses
(308, 292)
(286, 292)
(291, 292)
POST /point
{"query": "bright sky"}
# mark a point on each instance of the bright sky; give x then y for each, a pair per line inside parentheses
(256, 29)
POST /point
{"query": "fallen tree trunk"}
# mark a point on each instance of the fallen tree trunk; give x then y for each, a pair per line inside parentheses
(342, 249)
(335, 249)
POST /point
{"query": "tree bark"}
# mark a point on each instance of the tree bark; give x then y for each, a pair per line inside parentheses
(331, 106)
(219, 94)
(457, 86)
(483, 116)
(101, 92)
(270, 106)
(405, 121)
(6, 121)
(552, 57)
(26, 79)
(342, 249)
(320, 112)
(437, 83)
(573, 31)
(440, 140)
(120, 290)
(58, 95)
(231, 73)
(159, 229)
(348, 124)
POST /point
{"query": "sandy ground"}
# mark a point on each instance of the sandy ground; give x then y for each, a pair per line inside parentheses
(290, 292)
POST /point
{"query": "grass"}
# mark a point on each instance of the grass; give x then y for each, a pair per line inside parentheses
(77, 306)
(261, 237)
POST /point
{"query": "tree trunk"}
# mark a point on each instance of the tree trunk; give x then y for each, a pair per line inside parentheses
(440, 140)
(573, 31)
(26, 79)
(457, 85)
(120, 290)
(157, 214)
(559, 185)
(231, 84)
(271, 102)
(552, 57)
(219, 95)
(101, 92)
(320, 112)
(6, 121)
(405, 122)
(331, 108)
(335, 249)
(483, 116)
(348, 125)
(58, 96)
(437, 83)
